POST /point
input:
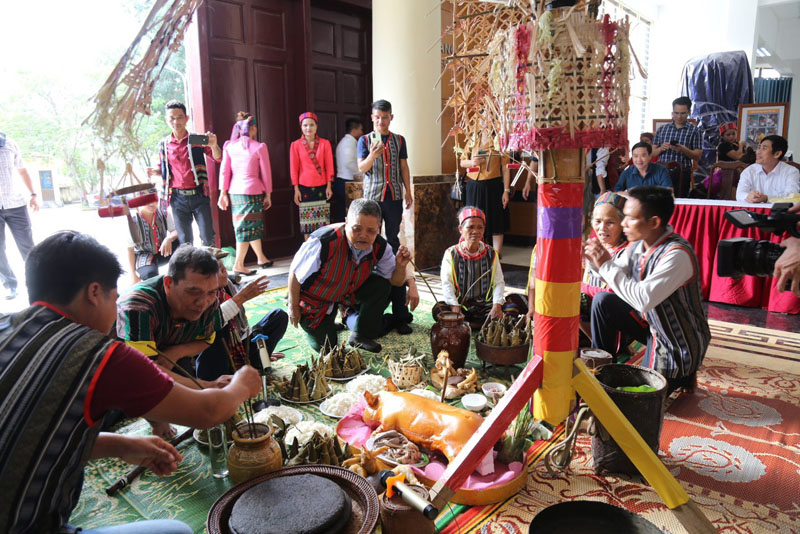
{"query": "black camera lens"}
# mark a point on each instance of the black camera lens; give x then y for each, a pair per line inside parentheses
(742, 256)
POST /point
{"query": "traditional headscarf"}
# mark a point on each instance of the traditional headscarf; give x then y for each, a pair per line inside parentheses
(618, 201)
(241, 130)
(727, 126)
(308, 115)
(468, 212)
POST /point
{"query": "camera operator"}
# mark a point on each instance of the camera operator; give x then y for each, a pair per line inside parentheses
(656, 297)
(787, 268)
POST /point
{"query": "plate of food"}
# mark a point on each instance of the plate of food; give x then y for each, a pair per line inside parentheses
(310, 401)
(398, 449)
(371, 383)
(347, 378)
(339, 405)
(290, 416)
(200, 435)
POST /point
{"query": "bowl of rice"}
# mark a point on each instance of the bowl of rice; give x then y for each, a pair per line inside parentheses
(372, 383)
(339, 405)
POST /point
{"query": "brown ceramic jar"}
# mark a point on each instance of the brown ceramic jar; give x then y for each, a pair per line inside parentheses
(250, 457)
(452, 334)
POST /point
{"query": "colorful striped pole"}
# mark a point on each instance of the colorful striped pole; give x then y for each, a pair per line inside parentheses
(558, 280)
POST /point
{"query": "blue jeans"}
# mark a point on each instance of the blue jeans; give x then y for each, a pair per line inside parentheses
(20, 225)
(188, 207)
(156, 526)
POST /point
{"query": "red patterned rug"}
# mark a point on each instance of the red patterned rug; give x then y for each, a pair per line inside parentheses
(734, 445)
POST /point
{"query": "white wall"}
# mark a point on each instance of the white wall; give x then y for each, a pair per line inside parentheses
(685, 29)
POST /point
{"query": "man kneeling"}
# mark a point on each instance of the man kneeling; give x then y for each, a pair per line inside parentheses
(656, 285)
(60, 373)
(346, 264)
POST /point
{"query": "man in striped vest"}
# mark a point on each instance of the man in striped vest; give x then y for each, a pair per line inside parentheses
(383, 158)
(656, 298)
(346, 264)
(60, 374)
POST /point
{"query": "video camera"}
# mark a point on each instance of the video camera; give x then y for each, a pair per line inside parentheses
(744, 256)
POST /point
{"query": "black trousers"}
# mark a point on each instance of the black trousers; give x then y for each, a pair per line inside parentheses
(213, 362)
(392, 211)
(612, 316)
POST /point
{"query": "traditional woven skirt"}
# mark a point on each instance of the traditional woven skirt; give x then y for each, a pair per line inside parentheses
(315, 210)
(488, 196)
(248, 220)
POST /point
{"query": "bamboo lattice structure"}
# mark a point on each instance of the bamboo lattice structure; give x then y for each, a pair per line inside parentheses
(532, 79)
(128, 91)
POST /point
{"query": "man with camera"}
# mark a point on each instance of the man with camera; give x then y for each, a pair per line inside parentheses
(656, 295)
(184, 176)
(768, 177)
(679, 140)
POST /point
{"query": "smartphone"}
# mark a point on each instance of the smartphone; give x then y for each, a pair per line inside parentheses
(674, 142)
(198, 139)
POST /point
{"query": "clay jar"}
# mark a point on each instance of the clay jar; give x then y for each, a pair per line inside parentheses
(452, 334)
(249, 456)
(398, 517)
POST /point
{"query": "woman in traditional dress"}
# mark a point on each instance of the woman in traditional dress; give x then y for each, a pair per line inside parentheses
(311, 169)
(472, 279)
(606, 222)
(246, 186)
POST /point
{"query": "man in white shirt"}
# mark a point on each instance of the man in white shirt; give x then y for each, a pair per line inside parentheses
(768, 177)
(656, 295)
(346, 167)
(14, 210)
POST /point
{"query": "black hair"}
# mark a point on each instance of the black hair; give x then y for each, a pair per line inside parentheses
(382, 105)
(648, 135)
(642, 144)
(188, 257)
(175, 104)
(363, 206)
(656, 201)
(351, 124)
(59, 267)
(683, 101)
(779, 143)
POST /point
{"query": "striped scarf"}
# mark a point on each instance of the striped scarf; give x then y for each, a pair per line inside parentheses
(197, 157)
(47, 363)
(467, 268)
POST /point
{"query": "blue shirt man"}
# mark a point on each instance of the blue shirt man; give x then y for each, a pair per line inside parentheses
(642, 172)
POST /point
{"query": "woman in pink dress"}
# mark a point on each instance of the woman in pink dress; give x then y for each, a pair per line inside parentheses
(246, 187)
(311, 169)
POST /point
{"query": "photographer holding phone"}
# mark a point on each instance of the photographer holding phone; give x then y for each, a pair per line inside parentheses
(184, 176)
(679, 140)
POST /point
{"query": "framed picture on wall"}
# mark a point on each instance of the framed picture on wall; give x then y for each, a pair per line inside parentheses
(757, 121)
(658, 123)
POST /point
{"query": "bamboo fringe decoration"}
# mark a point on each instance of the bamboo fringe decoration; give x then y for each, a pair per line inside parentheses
(530, 79)
(128, 91)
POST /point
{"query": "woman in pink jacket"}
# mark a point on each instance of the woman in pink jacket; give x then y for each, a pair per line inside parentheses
(246, 186)
(311, 168)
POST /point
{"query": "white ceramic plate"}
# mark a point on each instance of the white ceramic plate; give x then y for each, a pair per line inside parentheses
(290, 401)
(324, 409)
(345, 379)
(422, 463)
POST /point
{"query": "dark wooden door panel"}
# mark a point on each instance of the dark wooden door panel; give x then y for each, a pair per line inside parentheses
(249, 55)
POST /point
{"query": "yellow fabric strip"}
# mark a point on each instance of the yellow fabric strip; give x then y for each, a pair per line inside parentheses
(551, 402)
(556, 299)
(629, 440)
(143, 346)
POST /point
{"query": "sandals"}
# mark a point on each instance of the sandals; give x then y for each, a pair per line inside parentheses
(270, 263)
(251, 272)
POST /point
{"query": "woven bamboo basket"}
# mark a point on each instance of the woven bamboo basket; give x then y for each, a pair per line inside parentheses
(404, 376)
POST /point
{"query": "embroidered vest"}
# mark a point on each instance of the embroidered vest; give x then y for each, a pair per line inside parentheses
(46, 365)
(680, 325)
(465, 271)
(593, 283)
(385, 181)
(152, 237)
(339, 275)
(197, 157)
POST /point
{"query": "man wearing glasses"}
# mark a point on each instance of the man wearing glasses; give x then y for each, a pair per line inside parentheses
(679, 140)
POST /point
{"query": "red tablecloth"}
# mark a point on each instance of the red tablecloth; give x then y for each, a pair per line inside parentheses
(702, 224)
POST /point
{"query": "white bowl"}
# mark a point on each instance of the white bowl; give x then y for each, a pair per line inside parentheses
(474, 402)
(489, 386)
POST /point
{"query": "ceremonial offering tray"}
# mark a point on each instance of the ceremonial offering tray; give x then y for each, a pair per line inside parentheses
(502, 355)
(365, 505)
(347, 378)
(284, 399)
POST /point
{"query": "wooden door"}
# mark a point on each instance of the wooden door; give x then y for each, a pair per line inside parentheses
(250, 55)
(341, 71)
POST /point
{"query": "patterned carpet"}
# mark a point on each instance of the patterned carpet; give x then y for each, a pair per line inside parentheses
(734, 446)
(743, 416)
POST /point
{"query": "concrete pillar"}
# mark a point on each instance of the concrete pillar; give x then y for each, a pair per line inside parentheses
(404, 72)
